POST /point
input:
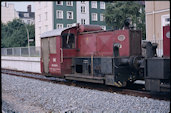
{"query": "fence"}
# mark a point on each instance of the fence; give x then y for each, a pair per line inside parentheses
(159, 47)
(36, 51)
(21, 51)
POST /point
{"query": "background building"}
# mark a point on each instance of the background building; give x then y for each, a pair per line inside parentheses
(43, 19)
(27, 17)
(157, 16)
(59, 14)
(8, 13)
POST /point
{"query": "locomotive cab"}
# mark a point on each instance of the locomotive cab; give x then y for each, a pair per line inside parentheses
(57, 49)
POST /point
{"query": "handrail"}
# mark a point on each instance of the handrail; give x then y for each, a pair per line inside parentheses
(61, 55)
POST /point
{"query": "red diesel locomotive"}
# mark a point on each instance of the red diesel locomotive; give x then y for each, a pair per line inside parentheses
(88, 53)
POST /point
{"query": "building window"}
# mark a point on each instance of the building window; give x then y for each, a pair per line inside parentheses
(69, 15)
(69, 3)
(94, 4)
(167, 21)
(83, 9)
(69, 25)
(26, 14)
(45, 4)
(59, 14)
(94, 16)
(39, 18)
(46, 17)
(39, 30)
(83, 2)
(28, 22)
(82, 21)
(59, 3)
(46, 27)
(39, 5)
(59, 26)
(103, 27)
(68, 40)
(102, 17)
(102, 5)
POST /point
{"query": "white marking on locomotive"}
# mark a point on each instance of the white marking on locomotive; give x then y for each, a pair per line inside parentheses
(54, 59)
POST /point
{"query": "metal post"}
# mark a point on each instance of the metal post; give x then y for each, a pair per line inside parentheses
(92, 64)
(39, 51)
(20, 51)
(5, 51)
(12, 51)
(154, 32)
(29, 50)
(28, 40)
(27, 33)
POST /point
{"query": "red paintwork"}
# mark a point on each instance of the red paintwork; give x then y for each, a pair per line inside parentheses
(55, 59)
(66, 66)
(99, 43)
(87, 44)
(124, 50)
(104, 46)
(68, 54)
(86, 28)
(41, 65)
(166, 42)
(54, 64)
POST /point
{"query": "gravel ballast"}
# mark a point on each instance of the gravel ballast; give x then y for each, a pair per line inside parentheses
(61, 98)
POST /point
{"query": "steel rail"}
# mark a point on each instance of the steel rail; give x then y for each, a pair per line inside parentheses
(133, 90)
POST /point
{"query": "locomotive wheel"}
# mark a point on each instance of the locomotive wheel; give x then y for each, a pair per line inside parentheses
(120, 84)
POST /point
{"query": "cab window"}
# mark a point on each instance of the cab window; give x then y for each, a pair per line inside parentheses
(68, 40)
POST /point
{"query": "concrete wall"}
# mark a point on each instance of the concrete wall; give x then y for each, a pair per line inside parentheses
(29, 64)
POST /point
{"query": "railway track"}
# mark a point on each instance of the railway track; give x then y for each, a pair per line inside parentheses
(133, 90)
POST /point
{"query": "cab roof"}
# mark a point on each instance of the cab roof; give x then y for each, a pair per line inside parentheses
(55, 32)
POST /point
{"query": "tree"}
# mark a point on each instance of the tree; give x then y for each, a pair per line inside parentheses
(3, 30)
(14, 34)
(118, 11)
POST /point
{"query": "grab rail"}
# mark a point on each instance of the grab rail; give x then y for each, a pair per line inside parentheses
(61, 55)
